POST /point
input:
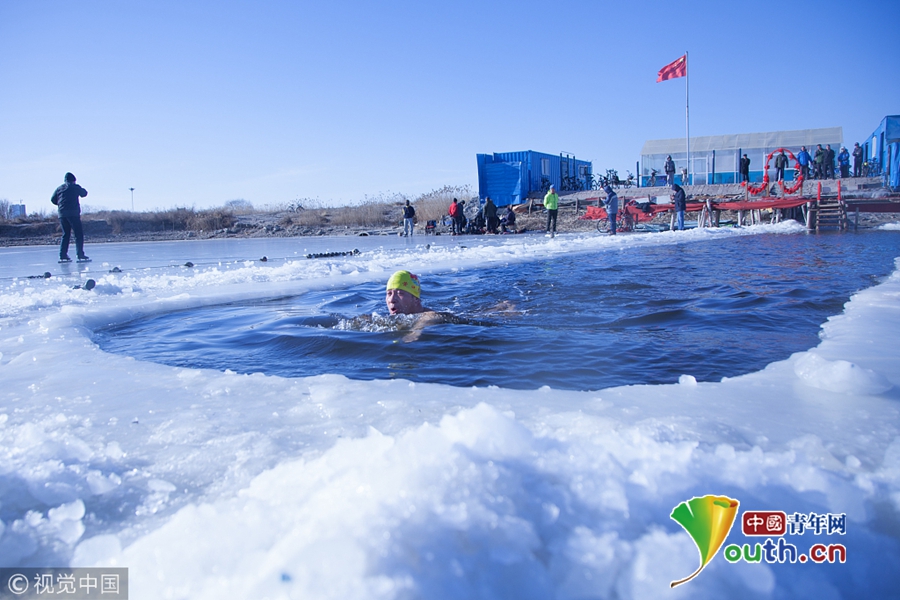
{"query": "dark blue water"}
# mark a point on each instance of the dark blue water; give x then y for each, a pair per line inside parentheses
(586, 321)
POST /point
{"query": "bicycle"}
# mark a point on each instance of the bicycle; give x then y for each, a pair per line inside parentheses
(612, 176)
(571, 184)
(624, 222)
(871, 168)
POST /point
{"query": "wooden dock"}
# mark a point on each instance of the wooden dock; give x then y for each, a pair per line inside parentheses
(825, 204)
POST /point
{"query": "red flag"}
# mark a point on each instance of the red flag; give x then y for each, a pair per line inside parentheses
(673, 70)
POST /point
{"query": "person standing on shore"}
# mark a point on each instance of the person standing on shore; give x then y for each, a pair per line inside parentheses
(551, 203)
(461, 218)
(781, 162)
(66, 198)
(670, 170)
(680, 202)
(454, 217)
(829, 162)
(612, 208)
(819, 163)
(745, 169)
(409, 222)
(803, 160)
(843, 158)
(490, 215)
(857, 160)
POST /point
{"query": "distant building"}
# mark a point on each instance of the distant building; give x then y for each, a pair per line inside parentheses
(884, 147)
(716, 158)
(16, 211)
(508, 177)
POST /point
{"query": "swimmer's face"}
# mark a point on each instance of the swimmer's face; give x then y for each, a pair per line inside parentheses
(400, 302)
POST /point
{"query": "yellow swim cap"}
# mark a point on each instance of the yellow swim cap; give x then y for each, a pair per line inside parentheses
(406, 281)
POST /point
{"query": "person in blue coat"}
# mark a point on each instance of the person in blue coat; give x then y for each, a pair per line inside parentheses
(66, 198)
(803, 159)
(843, 159)
(680, 202)
(612, 208)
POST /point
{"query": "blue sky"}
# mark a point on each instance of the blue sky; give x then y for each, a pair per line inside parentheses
(198, 103)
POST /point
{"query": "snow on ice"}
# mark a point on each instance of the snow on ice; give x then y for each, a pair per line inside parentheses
(210, 484)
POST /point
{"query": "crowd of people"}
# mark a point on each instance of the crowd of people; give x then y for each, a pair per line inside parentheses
(821, 165)
(487, 220)
(824, 163)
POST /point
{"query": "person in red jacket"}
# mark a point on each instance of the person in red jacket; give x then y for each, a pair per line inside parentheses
(454, 211)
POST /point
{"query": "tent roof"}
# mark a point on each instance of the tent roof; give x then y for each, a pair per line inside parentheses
(772, 139)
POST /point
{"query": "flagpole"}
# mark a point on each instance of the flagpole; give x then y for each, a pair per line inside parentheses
(687, 117)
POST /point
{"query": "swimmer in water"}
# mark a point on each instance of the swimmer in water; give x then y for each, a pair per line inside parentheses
(402, 296)
(404, 303)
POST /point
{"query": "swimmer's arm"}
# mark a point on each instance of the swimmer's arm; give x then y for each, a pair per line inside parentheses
(504, 307)
(425, 319)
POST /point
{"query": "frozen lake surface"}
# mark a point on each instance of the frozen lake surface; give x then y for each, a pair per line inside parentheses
(219, 482)
(588, 322)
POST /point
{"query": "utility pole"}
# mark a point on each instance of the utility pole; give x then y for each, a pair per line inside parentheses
(132, 199)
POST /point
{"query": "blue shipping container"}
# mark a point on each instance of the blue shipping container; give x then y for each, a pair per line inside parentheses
(509, 177)
(882, 147)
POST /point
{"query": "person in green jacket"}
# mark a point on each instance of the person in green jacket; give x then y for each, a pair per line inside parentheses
(819, 163)
(551, 203)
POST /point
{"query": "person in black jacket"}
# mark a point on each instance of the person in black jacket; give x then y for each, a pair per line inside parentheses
(66, 198)
(745, 168)
(508, 223)
(409, 219)
(490, 216)
(829, 162)
(857, 160)
(680, 202)
(781, 162)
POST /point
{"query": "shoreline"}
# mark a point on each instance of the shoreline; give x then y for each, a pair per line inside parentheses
(265, 225)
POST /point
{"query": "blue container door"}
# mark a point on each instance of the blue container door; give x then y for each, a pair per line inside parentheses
(504, 182)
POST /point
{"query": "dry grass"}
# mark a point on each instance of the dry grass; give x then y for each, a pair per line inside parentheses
(384, 210)
(371, 213)
(434, 205)
(239, 206)
(305, 218)
(175, 219)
